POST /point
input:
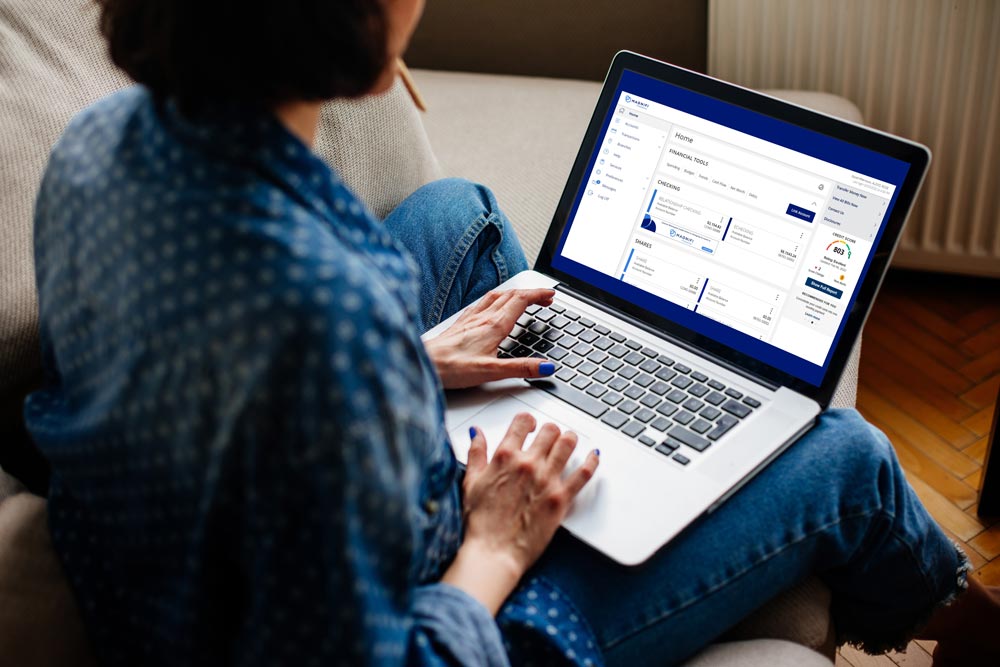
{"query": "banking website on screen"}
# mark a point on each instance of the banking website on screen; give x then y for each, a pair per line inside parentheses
(750, 239)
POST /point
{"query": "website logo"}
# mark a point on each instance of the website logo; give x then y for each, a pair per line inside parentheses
(631, 100)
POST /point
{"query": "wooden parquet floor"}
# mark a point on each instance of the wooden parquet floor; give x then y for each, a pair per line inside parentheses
(930, 372)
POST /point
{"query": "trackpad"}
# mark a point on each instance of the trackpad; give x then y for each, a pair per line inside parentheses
(494, 420)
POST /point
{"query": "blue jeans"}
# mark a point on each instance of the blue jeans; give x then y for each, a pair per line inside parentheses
(836, 504)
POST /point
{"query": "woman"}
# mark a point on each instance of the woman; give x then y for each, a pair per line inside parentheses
(246, 431)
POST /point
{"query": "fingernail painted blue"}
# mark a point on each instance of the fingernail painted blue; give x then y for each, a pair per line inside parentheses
(597, 451)
(546, 368)
(472, 433)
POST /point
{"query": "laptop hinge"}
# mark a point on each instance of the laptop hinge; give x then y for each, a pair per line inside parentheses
(636, 322)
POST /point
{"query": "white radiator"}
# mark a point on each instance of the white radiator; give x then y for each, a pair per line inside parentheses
(923, 69)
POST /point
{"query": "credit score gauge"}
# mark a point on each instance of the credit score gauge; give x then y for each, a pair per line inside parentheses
(840, 247)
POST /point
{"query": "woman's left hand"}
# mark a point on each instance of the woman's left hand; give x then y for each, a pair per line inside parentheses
(466, 353)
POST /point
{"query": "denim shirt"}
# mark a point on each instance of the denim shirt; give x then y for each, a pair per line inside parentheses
(247, 437)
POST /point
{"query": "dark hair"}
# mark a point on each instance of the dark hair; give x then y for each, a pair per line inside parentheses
(249, 51)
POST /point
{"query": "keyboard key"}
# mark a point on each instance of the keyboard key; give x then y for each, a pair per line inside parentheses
(646, 440)
(643, 380)
(516, 331)
(665, 360)
(557, 308)
(644, 415)
(666, 408)
(538, 327)
(521, 351)
(573, 329)
(613, 364)
(692, 440)
(528, 338)
(603, 343)
(557, 353)
(659, 388)
(635, 392)
(578, 399)
(633, 428)
(581, 382)
(566, 374)
(589, 336)
(650, 352)
(601, 329)
(693, 404)
(752, 402)
(544, 315)
(665, 449)
(532, 309)
(614, 419)
(650, 366)
(603, 376)
(597, 357)
(587, 368)
(572, 361)
(681, 382)
(552, 335)
(677, 396)
(571, 315)
(722, 427)
(582, 349)
(661, 423)
(628, 407)
(698, 390)
(617, 337)
(710, 413)
(634, 358)
(738, 409)
(700, 426)
(732, 393)
(683, 417)
(618, 384)
(715, 384)
(650, 400)
(698, 377)
(628, 372)
(543, 346)
(634, 345)
(597, 390)
(715, 398)
(508, 344)
(618, 351)
(681, 368)
(525, 320)
(611, 398)
(587, 323)
(680, 458)
(558, 322)
(665, 374)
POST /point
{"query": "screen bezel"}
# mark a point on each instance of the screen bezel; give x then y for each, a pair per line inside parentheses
(916, 155)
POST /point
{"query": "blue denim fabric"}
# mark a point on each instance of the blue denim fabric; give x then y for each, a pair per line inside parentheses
(835, 504)
(462, 242)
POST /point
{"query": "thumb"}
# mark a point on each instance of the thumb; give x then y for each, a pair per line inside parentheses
(523, 367)
(477, 451)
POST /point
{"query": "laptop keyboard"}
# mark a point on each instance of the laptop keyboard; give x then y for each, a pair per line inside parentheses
(647, 395)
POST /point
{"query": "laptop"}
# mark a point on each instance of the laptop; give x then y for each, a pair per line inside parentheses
(715, 253)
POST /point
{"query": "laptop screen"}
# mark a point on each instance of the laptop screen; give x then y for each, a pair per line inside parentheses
(746, 229)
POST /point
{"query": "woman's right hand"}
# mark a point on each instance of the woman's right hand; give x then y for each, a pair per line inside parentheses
(513, 505)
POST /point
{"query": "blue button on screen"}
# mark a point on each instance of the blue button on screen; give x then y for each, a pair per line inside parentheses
(824, 288)
(800, 213)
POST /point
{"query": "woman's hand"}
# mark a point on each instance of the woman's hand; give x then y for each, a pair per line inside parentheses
(465, 355)
(512, 507)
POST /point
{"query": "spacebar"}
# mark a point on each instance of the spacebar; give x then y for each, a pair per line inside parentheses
(577, 399)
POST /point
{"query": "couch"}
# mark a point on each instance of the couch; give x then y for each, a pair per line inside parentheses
(517, 134)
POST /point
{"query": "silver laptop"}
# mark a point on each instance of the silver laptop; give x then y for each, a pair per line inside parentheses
(715, 253)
